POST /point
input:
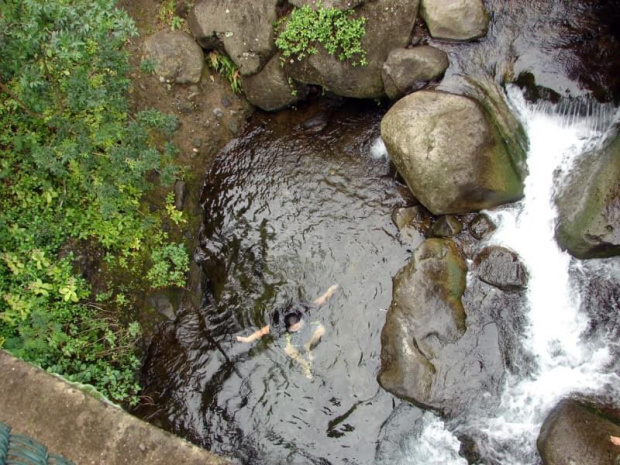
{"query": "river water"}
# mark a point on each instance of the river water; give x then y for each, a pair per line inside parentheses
(303, 200)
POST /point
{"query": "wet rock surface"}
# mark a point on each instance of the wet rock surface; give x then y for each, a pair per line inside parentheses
(455, 19)
(502, 268)
(576, 433)
(176, 56)
(422, 133)
(589, 205)
(388, 26)
(446, 226)
(481, 226)
(408, 70)
(244, 29)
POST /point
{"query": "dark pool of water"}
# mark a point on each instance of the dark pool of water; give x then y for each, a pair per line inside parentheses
(288, 212)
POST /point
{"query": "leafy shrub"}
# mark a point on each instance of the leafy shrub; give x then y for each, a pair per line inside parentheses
(73, 168)
(299, 34)
(170, 265)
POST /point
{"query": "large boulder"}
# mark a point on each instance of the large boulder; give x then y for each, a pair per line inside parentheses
(455, 19)
(176, 56)
(445, 346)
(589, 205)
(244, 29)
(337, 4)
(388, 26)
(433, 352)
(450, 153)
(410, 69)
(576, 433)
(271, 88)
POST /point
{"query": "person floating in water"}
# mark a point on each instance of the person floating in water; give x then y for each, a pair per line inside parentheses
(299, 334)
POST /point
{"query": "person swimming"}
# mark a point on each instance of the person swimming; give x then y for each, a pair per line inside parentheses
(299, 335)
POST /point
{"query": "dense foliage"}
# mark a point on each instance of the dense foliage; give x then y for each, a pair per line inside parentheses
(299, 34)
(74, 166)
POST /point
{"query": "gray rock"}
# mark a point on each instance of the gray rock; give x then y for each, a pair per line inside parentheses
(180, 194)
(455, 19)
(176, 56)
(316, 124)
(408, 70)
(271, 89)
(443, 346)
(388, 25)
(575, 433)
(502, 268)
(450, 153)
(243, 28)
(446, 226)
(337, 4)
(165, 302)
(589, 205)
(481, 226)
(396, 433)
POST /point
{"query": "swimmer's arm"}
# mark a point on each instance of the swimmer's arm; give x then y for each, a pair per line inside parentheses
(254, 336)
(325, 297)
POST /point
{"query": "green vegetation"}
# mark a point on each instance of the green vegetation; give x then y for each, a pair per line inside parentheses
(167, 15)
(74, 165)
(299, 34)
(223, 65)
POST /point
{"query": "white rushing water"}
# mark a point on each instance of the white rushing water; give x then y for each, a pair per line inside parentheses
(566, 363)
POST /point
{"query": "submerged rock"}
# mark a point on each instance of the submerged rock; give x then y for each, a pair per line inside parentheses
(271, 89)
(450, 153)
(481, 226)
(589, 205)
(243, 28)
(176, 56)
(416, 217)
(455, 19)
(407, 70)
(388, 26)
(501, 268)
(575, 433)
(446, 226)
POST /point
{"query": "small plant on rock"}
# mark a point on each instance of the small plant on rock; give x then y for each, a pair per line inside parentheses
(223, 65)
(300, 34)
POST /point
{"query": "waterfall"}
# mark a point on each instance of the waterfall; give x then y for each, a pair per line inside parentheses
(565, 362)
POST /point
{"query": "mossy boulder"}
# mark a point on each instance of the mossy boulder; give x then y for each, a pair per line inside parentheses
(426, 313)
(451, 153)
(410, 69)
(455, 19)
(388, 26)
(176, 56)
(589, 205)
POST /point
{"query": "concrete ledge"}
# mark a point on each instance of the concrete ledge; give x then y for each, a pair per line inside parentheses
(82, 428)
